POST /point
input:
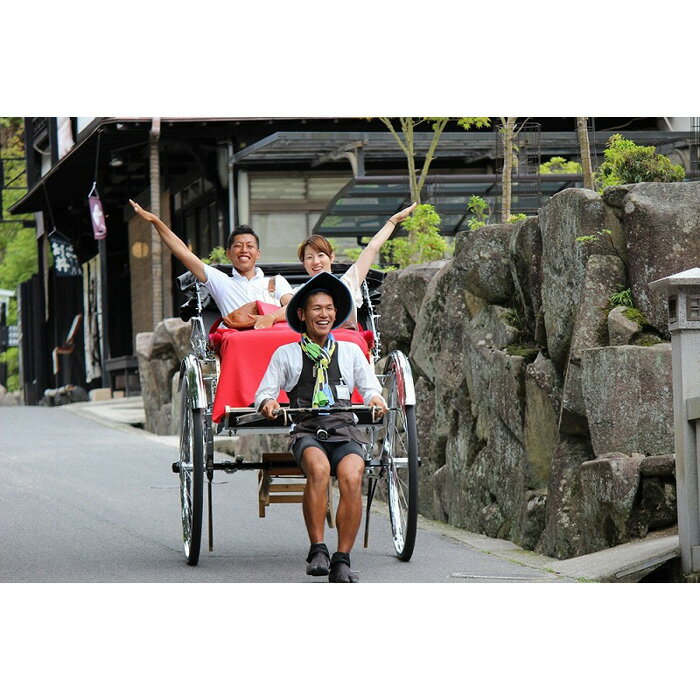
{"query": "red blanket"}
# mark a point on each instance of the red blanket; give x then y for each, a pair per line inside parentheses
(245, 356)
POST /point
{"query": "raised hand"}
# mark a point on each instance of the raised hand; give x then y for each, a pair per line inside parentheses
(404, 213)
(151, 218)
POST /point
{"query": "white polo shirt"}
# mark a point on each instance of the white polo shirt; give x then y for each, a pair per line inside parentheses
(230, 293)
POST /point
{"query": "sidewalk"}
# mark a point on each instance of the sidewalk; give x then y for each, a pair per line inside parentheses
(626, 563)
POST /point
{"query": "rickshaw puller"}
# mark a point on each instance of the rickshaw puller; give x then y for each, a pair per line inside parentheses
(318, 372)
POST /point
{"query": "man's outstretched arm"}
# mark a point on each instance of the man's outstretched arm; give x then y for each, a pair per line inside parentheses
(176, 245)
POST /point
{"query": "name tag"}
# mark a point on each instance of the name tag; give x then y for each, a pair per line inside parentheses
(342, 392)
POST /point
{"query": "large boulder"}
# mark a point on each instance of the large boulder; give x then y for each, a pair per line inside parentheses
(493, 326)
(622, 328)
(568, 215)
(395, 324)
(604, 275)
(541, 426)
(662, 224)
(431, 446)
(484, 257)
(413, 284)
(628, 395)
(600, 496)
(436, 347)
(561, 537)
(158, 363)
(526, 269)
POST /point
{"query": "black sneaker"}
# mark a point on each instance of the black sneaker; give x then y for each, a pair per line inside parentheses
(340, 569)
(318, 560)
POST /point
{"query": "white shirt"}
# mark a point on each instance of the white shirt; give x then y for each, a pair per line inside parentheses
(230, 293)
(285, 366)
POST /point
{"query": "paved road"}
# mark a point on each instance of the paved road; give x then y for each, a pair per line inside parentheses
(86, 501)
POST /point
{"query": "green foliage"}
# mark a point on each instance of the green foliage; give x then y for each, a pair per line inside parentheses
(621, 298)
(516, 217)
(19, 261)
(424, 242)
(635, 315)
(11, 358)
(647, 340)
(18, 251)
(481, 211)
(559, 165)
(477, 122)
(217, 256)
(626, 163)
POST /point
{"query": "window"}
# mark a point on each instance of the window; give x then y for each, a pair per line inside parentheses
(285, 206)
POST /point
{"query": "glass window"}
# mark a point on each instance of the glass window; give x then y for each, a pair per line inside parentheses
(324, 188)
(291, 187)
(280, 234)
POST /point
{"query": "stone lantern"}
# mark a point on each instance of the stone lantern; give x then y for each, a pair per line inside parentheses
(683, 291)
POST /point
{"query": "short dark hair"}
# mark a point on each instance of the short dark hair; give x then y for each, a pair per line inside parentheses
(318, 243)
(243, 228)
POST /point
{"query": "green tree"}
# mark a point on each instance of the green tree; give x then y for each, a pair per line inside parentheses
(18, 253)
(405, 138)
(424, 242)
(625, 162)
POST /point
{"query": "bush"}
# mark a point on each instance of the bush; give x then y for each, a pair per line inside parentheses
(481, 211)
(217, 256)
(559, 165)
(424, 241)
(626, 163)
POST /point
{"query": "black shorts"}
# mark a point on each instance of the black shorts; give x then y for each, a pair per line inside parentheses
(335, 451)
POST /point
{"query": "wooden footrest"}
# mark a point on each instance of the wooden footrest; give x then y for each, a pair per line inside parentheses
(283, 466)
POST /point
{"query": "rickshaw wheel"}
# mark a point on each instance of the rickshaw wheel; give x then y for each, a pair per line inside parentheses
(192, 458)
(400, 458)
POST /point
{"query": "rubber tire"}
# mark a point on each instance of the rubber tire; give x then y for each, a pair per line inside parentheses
(405, 551)
(195, 443)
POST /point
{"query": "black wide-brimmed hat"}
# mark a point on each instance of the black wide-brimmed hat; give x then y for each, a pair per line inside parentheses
(322, 282)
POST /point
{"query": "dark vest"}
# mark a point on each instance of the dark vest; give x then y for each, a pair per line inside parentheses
(340, 426)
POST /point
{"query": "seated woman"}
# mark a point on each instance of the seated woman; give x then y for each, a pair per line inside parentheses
(316, 254)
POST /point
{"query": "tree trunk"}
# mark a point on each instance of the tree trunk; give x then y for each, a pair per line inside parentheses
(584, 145)
(507, 134)
(156, 253)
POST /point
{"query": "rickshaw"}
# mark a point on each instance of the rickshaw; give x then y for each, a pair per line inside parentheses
(391, 456)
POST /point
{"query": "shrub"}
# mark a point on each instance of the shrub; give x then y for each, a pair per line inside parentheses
(424, 241)
(627, 163)
(217, 257)
(481, 211)
(559, 165)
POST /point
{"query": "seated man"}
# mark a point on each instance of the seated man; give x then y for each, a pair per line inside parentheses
(316, 372)
(246, 284)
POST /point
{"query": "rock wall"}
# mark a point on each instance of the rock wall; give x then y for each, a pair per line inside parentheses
(544, 411)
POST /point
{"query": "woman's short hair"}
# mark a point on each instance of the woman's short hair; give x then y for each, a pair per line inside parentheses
(318, 243)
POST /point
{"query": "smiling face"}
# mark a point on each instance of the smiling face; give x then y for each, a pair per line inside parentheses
(318, 313)
(316, 261)
(244, 253)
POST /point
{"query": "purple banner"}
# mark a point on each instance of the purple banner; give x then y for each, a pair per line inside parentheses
(99, 227)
